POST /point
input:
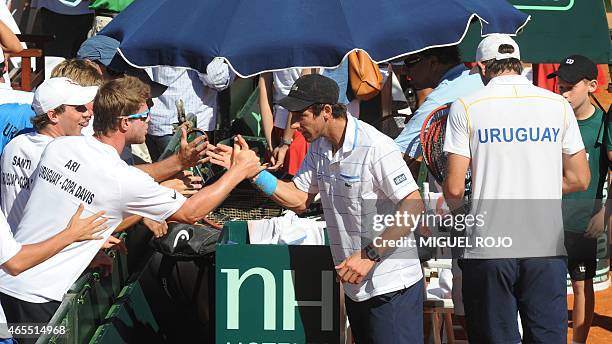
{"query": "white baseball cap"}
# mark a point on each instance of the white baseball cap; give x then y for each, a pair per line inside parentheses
(488, 49)
(61, 91)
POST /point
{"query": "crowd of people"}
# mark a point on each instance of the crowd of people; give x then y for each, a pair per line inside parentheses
(69, 180)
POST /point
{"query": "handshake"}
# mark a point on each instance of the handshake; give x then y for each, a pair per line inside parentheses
(238, 158)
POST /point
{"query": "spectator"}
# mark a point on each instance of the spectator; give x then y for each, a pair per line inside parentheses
(199, 95)
(522, 144)
(69, 23)
(84, 169)
(583, 214)
(286, 146)
(442, 70)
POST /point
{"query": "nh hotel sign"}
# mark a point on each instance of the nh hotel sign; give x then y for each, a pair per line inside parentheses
(276, 294)
(544, 5)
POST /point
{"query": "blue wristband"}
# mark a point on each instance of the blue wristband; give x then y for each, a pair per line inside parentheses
(266, 182)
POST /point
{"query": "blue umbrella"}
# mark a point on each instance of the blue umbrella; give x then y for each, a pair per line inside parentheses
(265, 35)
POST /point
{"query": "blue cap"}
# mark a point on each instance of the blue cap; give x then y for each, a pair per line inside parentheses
(98, 48)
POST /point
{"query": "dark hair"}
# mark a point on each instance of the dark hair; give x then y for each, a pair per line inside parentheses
(445, 55)
(496, 67)
(338, 110)
(117, 98)
(41, 120)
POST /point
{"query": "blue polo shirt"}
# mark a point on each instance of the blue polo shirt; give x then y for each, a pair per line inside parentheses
(457, 82)
(15, 113)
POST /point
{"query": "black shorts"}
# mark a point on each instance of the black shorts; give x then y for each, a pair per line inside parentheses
(581, 256)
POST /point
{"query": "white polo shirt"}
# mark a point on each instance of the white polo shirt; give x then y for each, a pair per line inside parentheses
(367, 168)
(75, 170)
(515, 135)
(8, 249)
(19, 161)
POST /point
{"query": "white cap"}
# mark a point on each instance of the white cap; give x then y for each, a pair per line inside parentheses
(61, 91)
(488, 49)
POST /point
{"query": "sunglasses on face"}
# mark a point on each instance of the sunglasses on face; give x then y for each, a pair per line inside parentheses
(80, 108)
(142, 115)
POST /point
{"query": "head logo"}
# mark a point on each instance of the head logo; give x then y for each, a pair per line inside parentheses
(569, 61)
(294, 87)
(182, 234)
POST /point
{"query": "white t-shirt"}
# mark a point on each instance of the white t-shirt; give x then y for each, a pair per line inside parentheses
(75, 170)
(8, 249)
(282, 82)
(19, 161)
(515, 134)
(368, 168)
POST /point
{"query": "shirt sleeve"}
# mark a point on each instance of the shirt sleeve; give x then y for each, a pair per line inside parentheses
(390, 172)
(409, 139)
(572, 139)
(8, 246)
(457, 136)
(305, 178)
(142, 196)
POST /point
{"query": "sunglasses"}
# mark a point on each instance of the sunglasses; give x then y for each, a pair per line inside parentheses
(80, 108)
(412, 60)
(142, 115)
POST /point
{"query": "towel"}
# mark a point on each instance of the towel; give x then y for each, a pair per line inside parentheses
(287, 230)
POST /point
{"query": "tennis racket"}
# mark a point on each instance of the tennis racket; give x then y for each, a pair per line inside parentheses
(432, 136)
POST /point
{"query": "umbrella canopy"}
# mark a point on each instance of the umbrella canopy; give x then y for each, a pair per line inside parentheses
(264, 35)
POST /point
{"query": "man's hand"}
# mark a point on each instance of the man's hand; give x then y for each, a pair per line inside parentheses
(245, 160)
(116, 244)
(278, 157)
(88, 228)
(596, 225)
(354, 268)
(192, 153)
(159, 229)
(185, 183)
(103, 262)
(220, 155)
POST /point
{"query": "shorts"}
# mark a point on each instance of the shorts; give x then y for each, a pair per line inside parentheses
(581, 256)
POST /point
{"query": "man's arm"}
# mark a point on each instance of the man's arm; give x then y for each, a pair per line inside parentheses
(9, 41)
(189, 155)
(78, 229)
(576, 173)
(454, 184)
(356, 267)
(265, 105)
(289, 196)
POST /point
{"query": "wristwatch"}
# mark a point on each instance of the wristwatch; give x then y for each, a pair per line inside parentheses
(286, 142)
(371, 253)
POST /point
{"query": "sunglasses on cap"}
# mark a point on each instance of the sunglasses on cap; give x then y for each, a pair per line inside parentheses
(142, 115)
(412, 60)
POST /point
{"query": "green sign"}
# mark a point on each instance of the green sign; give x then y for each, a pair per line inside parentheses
(556, 30)
(275, 294)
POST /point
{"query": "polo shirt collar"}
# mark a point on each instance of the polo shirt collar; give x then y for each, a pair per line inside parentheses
(351, 135)
(453, 73)
(509, 80)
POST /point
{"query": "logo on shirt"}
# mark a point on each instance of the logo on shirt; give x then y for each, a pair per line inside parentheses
(399, 179)
(174, 196)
